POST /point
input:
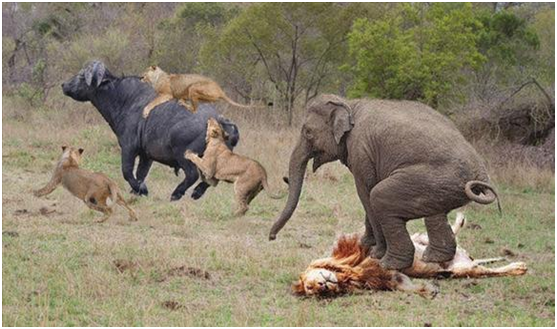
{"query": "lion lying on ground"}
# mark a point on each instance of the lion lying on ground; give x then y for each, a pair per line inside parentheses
(221, 164)
(193, 87)
(349, 269)
(95, 189)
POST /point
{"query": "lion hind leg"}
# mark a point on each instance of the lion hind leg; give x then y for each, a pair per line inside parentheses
(424, 289)
(484, 261)
(98, 203)
(241, 196)
(513, 269)
(107, 213)
(122, 202)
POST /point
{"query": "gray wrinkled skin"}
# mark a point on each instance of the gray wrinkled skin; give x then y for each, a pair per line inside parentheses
(408, 162)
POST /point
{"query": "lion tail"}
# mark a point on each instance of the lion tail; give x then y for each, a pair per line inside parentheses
(268, 190)
(233, 103)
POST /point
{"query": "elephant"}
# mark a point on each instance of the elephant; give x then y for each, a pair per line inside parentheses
(408, 162)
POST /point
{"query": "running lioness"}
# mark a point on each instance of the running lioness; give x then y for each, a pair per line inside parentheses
(95, 189)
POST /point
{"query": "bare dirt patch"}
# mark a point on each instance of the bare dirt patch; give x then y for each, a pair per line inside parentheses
(171, 305)
(123, 265)
(188, 271)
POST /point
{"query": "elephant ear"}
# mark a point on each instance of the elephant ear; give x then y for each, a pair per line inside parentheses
(94, 73)
(342, 119)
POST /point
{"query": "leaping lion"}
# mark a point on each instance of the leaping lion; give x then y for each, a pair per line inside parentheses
(193, 87)
(219, 163)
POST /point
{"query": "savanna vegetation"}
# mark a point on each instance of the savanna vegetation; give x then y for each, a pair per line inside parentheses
(488, 66)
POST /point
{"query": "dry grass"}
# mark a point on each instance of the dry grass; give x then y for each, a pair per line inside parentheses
(61, 268)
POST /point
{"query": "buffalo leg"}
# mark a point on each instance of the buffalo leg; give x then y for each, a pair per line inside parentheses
(191, 177)
(141, 173)
(199, 190)
(128, 162)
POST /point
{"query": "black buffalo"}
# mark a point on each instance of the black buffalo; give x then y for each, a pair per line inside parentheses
(164, 136)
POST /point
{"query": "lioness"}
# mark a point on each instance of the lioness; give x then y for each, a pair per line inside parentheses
(192, 87)
(221, 164)
(95, 189)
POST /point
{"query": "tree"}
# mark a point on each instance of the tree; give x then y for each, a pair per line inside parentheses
(291, 45)
(182, 35)
(508, 44)
(417, 52)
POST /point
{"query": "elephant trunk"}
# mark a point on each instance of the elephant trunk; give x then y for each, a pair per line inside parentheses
(296, 171)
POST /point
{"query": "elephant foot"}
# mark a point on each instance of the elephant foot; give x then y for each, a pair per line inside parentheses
(434, 254)
(377, 252)
(367, 243)
(390, 262)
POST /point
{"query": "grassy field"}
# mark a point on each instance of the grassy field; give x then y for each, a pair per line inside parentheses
(191, 263)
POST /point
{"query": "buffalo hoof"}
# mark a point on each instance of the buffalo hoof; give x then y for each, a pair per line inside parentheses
(176, 197)
(199, 190)
(143, 189)
(196, 195)
(435, 255)
(140, 192)
(391, 263)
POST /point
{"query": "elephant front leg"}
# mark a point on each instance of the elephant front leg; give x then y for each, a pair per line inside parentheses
(442, 243)
(390, 206)
(141, 173)
(400, 248)
(373, 239)
(368, 240)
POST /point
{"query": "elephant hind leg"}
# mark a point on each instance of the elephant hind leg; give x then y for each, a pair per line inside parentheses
(442, 243)
(394, 201)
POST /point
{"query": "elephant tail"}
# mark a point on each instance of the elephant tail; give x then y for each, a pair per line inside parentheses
(482, 193)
